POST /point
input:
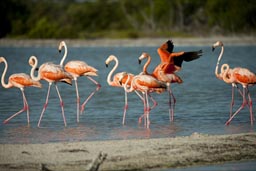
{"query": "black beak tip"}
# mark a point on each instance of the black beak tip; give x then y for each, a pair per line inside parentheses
(139, 61)
(106, 65)
(213, 49)
(59, 51)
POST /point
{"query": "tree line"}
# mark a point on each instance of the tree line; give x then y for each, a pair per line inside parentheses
(125, 18)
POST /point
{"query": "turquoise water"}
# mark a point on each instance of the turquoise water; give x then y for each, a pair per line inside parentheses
(202, 100)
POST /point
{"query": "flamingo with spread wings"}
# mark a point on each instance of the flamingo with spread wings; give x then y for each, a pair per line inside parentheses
(167, 78)
(19, 80)
(77, 69)
(51, 73)
(172, 61)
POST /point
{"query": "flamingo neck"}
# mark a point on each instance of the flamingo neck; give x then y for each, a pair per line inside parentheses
(225, 71)
(145, 67)
(218, 62)
(32, 71)
(130, 88)
(110, 82)
(65, 54)
(8, 85)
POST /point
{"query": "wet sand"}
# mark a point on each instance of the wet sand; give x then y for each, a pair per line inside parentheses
(195, 41)
(137, 154)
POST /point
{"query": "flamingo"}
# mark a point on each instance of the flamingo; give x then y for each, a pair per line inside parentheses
(172, 61)
(145, 84)
(51, 73)
(244, 77)
(167, 78)
(115, 82)
(220, 75)
(79, 68)
(236, 76)
(19, 80)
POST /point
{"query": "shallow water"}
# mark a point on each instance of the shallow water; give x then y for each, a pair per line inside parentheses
(202, 100)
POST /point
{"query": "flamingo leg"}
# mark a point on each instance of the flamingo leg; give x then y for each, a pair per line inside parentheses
(45, 105)
(125, 106)
(61, 105)
(77, 101)
(142, 98)
(25, 108)
(232, 100)
(240, 92)
(171, 107)
(240, 108)
(250, 107)
(90, 96)
(147, 110)
(154, 102)
(152, 99)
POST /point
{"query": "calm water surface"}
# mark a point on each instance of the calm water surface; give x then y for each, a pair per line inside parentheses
(202, 100)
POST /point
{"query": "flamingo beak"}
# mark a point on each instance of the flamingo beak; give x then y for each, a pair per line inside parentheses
(213, 48)
(139, 61)
(106, 65)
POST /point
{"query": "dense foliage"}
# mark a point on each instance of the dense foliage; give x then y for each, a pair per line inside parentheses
(125, 18)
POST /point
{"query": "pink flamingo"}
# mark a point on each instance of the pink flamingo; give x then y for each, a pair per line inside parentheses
(219, 75)
(19, 80)
(244, 77)
(235, 76)
(51, 73)
(76, 69)
(167, 78)
(145, 84)
(115, 82)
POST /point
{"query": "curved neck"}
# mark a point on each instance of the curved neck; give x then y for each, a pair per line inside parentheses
(145, 67)
(126, 88)
(8, 85)
(110, 82)
(34, 66)
(65, 53)
(225, 73)
(218, 62)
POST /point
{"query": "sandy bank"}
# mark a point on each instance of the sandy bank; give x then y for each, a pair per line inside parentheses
(197, 149)
(200, 41)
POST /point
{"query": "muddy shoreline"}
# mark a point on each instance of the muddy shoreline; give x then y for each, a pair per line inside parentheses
(200, 41)
(135, 154)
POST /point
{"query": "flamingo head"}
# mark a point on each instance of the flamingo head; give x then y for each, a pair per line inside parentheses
(62, 44)
(218, 43)
(143, 56)
(2, 59)
(109, 59)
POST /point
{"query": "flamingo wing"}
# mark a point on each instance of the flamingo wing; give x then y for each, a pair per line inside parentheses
(244, 75)
(79, 68)
(150, 82)
(23, 80)
(187, 56)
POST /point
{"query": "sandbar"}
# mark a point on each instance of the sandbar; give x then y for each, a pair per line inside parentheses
(134, 154)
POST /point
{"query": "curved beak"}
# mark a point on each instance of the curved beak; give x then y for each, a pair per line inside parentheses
(213, 48)
(139, 61)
